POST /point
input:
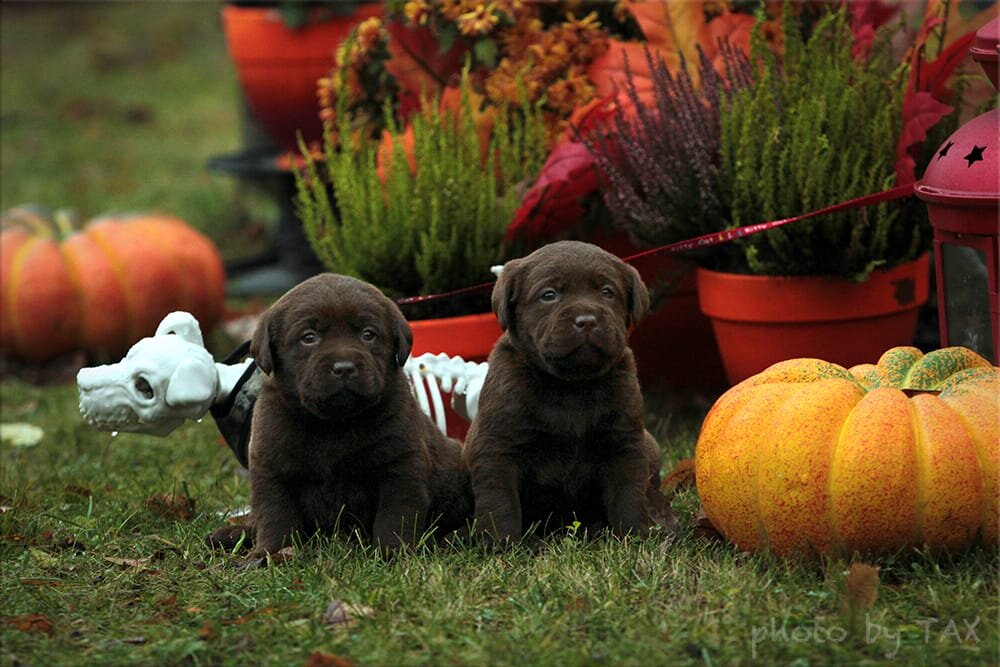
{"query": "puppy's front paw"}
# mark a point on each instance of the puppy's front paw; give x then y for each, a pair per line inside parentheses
(229, 538)
(256, 560)
(259, 558)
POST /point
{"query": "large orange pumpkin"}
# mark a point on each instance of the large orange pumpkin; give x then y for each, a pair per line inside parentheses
(809, 457)
(103, 287)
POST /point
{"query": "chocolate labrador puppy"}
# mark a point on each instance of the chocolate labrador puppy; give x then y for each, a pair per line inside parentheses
(338, 441)
(559, 435)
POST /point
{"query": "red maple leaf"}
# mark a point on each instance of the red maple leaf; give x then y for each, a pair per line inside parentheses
(927, 97)
(418, 63)
(555, 202)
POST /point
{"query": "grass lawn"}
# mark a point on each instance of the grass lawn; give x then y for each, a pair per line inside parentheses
(117, 107)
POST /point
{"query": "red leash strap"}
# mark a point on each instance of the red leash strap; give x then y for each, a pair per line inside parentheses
(707, 240)
(715, 238)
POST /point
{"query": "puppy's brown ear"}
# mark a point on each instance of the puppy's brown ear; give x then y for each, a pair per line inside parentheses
(260, 344)
(638, 295)
(402, 333)
(505, 294)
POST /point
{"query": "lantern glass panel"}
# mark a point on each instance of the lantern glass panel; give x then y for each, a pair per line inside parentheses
(967, 300)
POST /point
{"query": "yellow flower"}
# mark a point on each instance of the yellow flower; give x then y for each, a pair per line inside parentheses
(480, 21)
(417, 11)
(370, 35)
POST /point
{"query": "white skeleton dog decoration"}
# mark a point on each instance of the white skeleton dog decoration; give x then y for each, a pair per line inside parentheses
(170, 377)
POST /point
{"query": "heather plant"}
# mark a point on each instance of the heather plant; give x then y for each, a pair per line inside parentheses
(425, 210)
(661, 164)
(817, 127)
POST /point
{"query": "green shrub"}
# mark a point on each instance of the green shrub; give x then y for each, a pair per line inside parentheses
(433, 229)
(818, 128)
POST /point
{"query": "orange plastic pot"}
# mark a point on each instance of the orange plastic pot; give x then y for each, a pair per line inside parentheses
(278, 67)
(468, 336)
(761, 320)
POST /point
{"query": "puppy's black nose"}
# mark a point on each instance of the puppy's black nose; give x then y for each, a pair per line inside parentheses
(344, 369)
(585, 322)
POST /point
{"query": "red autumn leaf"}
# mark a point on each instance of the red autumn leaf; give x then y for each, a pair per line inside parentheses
(418, 63)
(934, 75)
(608, 71)
(30, 623)
(867, 16)
(320, 659)
(731, 27)
(921, 112)
(554, 202)
(925, 101)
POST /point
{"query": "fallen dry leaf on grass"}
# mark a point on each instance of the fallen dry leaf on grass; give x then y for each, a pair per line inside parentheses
(861, 589)
(138, 564)
(171, 506)
(246, 618)
(320, 659)
(41, 582)
(340, 614)
(678, 479)
(702, 527)
(21, 434)
(207, 631)
(30, 623)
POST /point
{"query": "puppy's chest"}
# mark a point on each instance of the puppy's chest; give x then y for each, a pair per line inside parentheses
(566, 461)
(349, 501)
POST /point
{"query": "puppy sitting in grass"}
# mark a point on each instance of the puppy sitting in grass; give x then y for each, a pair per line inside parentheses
(559, 436)
(338, 441)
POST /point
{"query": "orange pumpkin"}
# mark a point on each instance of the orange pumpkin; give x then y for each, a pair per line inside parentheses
(809, 457)
(101, 288)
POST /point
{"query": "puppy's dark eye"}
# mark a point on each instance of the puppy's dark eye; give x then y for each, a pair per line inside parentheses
(548, 296)
(368, 335)
(607, 292)
(309, 338)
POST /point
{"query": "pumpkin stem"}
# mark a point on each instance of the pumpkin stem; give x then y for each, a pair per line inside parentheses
(64, 220)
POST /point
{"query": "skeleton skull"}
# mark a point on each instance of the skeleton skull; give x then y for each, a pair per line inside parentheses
(162, 381)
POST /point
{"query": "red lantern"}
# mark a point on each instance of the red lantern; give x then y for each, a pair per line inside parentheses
(961, 188)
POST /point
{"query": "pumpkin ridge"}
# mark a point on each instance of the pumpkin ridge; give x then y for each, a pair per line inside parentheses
(115, 262)
(831, 521)
(982, 461)
(73, 272)
(20, 257)
(763, 533)
(920, 453)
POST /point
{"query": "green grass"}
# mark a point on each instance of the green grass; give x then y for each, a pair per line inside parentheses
(117, 107)
(123, 584)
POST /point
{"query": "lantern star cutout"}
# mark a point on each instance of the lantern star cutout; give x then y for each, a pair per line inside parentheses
(944, 151)
(975, 155)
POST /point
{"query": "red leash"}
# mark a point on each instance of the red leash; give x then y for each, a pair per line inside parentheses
(707, 240)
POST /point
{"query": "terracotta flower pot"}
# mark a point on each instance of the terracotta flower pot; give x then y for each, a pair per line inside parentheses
(278, 67)
(760, 320)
